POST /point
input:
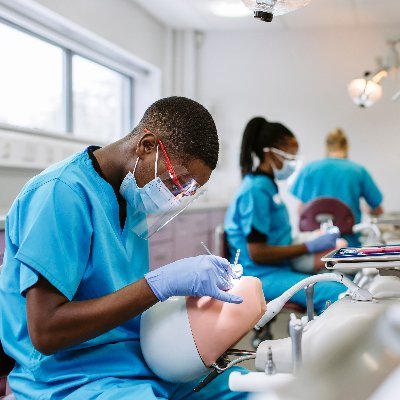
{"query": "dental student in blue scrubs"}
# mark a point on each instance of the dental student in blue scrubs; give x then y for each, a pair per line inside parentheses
(258, 223)
(337, 176)
(76, 274)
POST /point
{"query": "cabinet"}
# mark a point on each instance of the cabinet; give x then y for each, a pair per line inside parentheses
(181, 238)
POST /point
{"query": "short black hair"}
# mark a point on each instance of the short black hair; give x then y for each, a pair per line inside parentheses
(186, 128)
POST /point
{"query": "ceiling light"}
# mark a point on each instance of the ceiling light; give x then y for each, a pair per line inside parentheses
(266, 9)
(230, 9)
(364, 92)
(367, 91)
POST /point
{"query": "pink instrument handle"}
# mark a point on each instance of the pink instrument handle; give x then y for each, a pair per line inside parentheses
(382, 249)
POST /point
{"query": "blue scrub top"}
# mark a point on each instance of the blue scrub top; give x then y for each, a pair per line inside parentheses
(339, 178)
(64, 225)
(257, 205)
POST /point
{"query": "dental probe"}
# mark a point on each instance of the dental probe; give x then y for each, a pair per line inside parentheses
(206, 249)
(234, 266)
(236, 258)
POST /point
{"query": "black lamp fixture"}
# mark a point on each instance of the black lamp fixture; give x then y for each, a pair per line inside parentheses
(265, 10)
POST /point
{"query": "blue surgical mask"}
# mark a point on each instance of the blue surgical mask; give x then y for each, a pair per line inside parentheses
(288, 168)
(152, 198)
(289, 163)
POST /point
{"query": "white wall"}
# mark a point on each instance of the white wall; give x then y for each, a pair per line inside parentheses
(300, 78)
(120, 22)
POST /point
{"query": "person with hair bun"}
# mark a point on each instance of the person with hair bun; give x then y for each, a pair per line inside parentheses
(337, 176)
(257, 221)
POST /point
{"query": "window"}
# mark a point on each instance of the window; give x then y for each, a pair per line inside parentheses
(49, 87)
(31, 81)
(98, 99)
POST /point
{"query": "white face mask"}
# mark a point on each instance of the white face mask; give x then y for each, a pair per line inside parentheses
(288, 165)
(153, 198)
(288, 168)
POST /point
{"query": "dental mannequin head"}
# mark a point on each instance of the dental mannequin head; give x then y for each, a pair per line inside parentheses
(336, 144)
(272, 143)
(182, 337)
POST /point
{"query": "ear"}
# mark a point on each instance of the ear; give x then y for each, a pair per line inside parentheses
(268, 155)
(146, 145)
(275, 159)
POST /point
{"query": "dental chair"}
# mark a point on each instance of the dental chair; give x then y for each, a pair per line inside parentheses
(222, 249)
(326, 211)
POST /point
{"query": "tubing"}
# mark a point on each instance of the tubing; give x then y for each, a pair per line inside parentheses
(276, 305)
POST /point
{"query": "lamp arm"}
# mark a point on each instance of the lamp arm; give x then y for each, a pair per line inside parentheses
(378, 76)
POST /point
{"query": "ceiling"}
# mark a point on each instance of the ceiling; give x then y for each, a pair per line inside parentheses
(195, 14)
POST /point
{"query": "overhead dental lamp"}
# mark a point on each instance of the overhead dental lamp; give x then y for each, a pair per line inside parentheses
(266, 9)
(367, 91)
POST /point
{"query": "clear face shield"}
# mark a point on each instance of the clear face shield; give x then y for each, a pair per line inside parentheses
(163, 198)
(283, 155)
(146, 224)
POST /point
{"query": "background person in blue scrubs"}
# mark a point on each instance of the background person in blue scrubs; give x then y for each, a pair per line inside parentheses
(75, 277)
(337, 176)
(258, 223)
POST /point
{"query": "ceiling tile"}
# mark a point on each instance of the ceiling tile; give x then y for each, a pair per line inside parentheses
(322, 14)
(381, 12)
(178, 14)
(195, 14)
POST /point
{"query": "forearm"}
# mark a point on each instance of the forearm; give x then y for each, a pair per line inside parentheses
(264, 254)
(72, 322)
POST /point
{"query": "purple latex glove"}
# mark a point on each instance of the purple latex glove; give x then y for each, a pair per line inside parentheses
(194, 276)
(325, 241)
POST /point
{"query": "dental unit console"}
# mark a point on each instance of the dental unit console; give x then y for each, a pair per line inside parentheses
(377, 268)
(381, 257)
(353, 346)
(347, 353)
